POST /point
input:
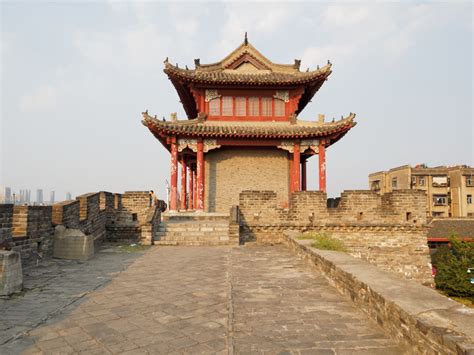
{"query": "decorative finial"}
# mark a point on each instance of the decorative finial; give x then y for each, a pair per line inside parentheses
(246, 41)
(186, 67)
(307, 69)
(197, 62)
(156, 117)
(333, 119)
(166, 60)
(163, 119)
(329, 62)
(176, 65)
(146, 112)
(342, 117)
(297, 63)
(317, 67)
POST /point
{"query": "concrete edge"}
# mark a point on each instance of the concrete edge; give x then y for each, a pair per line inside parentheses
(408, 311)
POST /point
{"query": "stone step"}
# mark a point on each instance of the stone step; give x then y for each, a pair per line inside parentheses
(191, 243)
(195, 216)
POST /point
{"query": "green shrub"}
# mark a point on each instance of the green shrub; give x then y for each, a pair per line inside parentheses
(323, 241)
(452, 264)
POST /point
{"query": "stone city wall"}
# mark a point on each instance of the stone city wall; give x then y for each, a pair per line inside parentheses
(428, 322)
(29, 230)
(389, 231)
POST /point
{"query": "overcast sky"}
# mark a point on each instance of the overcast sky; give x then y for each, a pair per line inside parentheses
(76, 76)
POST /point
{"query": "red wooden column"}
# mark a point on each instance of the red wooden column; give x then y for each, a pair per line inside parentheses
(183, 183)
(174, 175)
(296, 166)
(303, 175)
(200, 175)
(322, 166)
(194, 189)
(189, 205)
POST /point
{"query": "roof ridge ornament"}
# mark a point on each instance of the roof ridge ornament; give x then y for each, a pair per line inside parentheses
(246, 41)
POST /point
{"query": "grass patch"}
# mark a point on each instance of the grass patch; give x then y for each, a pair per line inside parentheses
(323, 241)
(133, 248)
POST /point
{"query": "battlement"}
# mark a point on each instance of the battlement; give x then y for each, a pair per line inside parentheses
(105, 216)
(388, 230)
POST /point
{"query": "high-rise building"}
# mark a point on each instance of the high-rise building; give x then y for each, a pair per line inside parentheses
(8, 195)
(22, 197)
(68, 196)
(51, 197)
(39, 196)
(28, 196)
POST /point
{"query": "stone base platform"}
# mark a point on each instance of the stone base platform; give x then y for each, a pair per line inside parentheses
(196, 229)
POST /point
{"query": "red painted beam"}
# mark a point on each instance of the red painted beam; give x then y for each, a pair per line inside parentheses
(296, 166)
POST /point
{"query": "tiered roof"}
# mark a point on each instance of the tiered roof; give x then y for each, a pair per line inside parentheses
(297, 129)
(245, 67)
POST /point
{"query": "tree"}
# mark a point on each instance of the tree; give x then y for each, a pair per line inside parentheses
(452, 264)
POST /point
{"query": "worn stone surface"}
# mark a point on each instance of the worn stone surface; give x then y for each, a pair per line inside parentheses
(205, 300)
(53, 287)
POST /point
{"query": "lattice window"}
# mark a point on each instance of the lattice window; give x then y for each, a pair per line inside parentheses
(227, 106)
(267, 106)
(240, 106)
(279, 108)
(253, 106)
(215, 107)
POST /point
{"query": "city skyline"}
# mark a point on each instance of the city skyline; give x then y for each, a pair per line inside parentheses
(85, 80)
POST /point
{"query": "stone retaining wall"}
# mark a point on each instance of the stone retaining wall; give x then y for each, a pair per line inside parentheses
(389, 231)
(409, 312)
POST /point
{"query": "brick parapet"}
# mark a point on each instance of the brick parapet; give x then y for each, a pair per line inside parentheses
(6, 220)
(388, 231)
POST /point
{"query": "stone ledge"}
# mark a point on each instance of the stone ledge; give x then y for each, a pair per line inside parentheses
(408, 311)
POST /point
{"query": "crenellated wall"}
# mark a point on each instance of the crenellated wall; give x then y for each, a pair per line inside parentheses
(389, 231)
(105, 216)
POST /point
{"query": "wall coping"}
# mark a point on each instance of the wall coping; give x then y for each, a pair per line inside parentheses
(444, 321)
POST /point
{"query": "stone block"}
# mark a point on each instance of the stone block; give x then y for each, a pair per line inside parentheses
(72, 244)
(11, 275)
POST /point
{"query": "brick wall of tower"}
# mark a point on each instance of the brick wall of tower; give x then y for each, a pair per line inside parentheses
(6, 220)
(230, 171)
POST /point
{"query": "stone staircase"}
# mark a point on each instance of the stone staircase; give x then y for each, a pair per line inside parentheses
(197, 229)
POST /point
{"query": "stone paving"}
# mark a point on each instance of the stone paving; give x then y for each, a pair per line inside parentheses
(198, 300)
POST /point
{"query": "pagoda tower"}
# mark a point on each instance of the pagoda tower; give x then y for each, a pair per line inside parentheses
(242, 130)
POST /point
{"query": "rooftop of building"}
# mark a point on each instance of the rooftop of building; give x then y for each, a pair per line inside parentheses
(245, 67)
(445, 227)
(245, 129)
(423, 169)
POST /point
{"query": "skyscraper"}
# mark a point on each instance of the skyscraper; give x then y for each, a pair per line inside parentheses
(51, 197)
(28, 196)
(68, 196)
(39, 196)
(8, 195)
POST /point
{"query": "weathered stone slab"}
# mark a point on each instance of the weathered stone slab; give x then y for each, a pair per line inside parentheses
(11, 276)
(72, 244)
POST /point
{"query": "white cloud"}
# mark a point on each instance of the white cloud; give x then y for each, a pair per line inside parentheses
(44, 98)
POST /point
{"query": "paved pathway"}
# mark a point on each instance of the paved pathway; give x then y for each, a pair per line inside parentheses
(211, 300)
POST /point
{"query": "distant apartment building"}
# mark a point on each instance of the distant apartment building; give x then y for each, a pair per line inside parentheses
(449, 190)
(68, 196)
